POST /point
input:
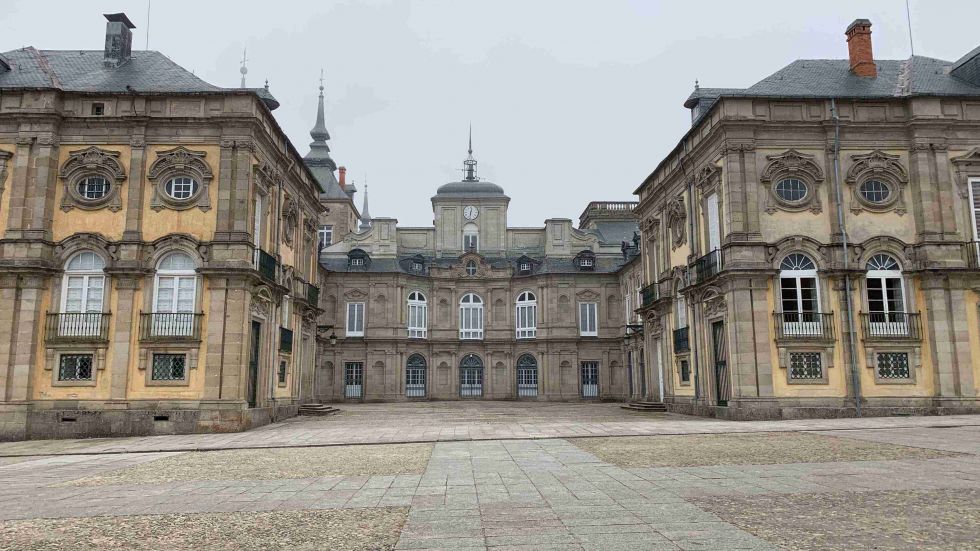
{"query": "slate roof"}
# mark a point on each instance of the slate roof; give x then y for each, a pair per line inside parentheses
(614, 232)
(470, 189)
(83, 71)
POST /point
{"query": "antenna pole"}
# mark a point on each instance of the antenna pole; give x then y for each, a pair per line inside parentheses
(148, 2)
(908, 18)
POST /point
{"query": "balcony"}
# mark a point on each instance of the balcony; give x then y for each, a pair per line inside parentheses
(706, 267)
(77, 327)
(891, 325)
(313, 295)
(285, 340)
(804, 325)
(267, 265)
(650, 294)
(682, 342)
(169, 326)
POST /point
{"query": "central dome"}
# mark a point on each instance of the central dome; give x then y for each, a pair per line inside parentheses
(470, 188)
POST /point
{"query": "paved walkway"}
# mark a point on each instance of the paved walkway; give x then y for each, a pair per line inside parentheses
(461, 421)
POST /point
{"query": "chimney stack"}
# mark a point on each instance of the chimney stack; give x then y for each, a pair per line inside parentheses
(118, 39)
(343, 178)
(859, 48)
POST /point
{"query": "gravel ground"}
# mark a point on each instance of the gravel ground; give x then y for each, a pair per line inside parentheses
(336, 530)
(896, 520)
(744, 449)
(266, 464)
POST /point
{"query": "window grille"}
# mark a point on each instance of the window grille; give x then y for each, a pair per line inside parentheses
(75, 367)
(893, 365)
(805, 366)
(169, 367)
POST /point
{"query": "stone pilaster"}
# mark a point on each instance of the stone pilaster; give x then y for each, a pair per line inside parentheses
(26, 328)
(124, 324)
(137, 184)
(749, 359)
(235, 164)
(944, 308)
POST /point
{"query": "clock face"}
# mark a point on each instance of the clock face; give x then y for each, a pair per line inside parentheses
(470, 212)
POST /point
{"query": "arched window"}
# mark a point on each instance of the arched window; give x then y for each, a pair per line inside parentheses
(418, 315)
(82, 296)
(800, 296)
(527, 376)
(471, 237)
(886, 296)
(174, 296)
(470, 317)
(471, 375)
(415, 376)
(527, 311)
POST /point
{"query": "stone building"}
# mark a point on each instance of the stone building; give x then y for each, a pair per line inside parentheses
(810, 246)
(158, 258)
(472, 308)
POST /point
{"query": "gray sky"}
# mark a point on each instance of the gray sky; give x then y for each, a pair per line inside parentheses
(570, 101)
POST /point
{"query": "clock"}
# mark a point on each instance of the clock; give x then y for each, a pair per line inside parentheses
(471, 212)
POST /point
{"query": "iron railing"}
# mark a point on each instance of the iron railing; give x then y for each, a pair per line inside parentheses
(682, 341)
(891, 325)
(77, 326)
(313, 294)
(802, 325)
(267, 265)
(707, 266)
(170, 326)
(650, 294)
(285, 340)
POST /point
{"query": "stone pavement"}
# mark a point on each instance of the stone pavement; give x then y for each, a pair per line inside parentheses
(461, 421)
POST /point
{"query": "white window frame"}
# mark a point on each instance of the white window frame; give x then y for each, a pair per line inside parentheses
(680, 314)
(418, 315)
(174, 325)
(714, 222)
(284, 314)
(526, 318)
(324, 236)
(354, 326)
(887, 322)
(802, 326)
(356, 261)
(588, 319)
(471, 233)
(973, 186)
(88, 277)
(587, 262)
(471, 318)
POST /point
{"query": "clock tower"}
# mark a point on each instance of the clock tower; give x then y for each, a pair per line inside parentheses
(470, 215)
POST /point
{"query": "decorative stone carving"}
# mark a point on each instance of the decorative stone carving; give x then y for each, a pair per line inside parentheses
(355, 294)
(707, 178)
(882, 167)
(967, 166)
(175, 163)
(92, 162)
(171, 242)
(676, 219)
(793, 165)
(4, 157)
(290, 219)
(86, 242)
(715, 305)
(587, 295)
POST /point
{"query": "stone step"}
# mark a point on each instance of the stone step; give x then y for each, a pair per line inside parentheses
(655, 407)
(317, 409)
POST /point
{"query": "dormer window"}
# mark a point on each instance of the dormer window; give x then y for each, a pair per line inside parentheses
(98, 109)
(416, 266)
(357, 262)
(585, 261)
(357, 258)
(525, 266)
(471, 268)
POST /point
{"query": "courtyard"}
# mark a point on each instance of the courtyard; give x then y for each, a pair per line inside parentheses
(504, 475)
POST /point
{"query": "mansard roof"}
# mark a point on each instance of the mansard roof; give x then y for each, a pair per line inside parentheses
(550, 265)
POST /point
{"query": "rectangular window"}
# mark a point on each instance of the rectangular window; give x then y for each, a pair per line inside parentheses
(470, 242)
(283, 369)
(805, 366)
(285, 318)
(975, 209)
(354, 380)
(98, 109)
(893, 365)
(417, 314)
(75, 367)
(590, 379)
(680, 319)
(169, 367)
(587, 263)
(587, 319)
(471, 321)
(357, 262)
(685, 371)
(526, 321)
(325, 236)
(355, 319)
(714, 222)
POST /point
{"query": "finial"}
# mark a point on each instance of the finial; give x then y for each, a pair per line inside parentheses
(321, 82)
(696, 85)
(471, 140)
(244, 70)
(469, 165)
(266, 85)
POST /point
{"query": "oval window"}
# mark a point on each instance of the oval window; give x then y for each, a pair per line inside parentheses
(875, 191)
(93, 187)
(181, 187)
(791, 190)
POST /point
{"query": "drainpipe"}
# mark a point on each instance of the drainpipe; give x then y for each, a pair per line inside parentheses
(692, 332)
(849, 311)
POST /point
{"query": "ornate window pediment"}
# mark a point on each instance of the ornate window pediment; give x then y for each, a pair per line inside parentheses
(181, 179)
(877, 181)
(967, 166)
(4, 157)
(707, 178)
(587, 295)
(793, 180)
(676, 218)
(92, 179)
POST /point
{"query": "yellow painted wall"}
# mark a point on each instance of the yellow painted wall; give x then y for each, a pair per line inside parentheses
(192, 221)
(5, 198)
(102, 221)
(973, 323)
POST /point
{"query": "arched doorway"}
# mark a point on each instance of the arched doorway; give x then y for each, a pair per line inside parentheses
(415, 376)
(527, 376)
(471, 376)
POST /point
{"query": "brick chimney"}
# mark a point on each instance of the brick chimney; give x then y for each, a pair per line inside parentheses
(118, 39)
(343, 178)
(859, 48)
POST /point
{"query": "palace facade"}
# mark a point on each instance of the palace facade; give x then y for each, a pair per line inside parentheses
(810, 247)
(158, 261)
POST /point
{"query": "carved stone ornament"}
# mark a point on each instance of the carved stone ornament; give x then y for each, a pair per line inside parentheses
(483, 268)
(676, 218)
(655, 323)
(707, 178)
(4, 157)
(881, 167)
(179, 163)
(792, 165)
(92, 178)
(587, 295)
(290, 219)
(967, 166)
(355, 294)
(715, 305)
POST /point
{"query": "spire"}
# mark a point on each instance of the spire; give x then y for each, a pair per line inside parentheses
(243, 70)
(365, 215)
(319, 150)
(469, 165)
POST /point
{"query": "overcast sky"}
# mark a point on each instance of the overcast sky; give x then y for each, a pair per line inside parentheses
(570, 101)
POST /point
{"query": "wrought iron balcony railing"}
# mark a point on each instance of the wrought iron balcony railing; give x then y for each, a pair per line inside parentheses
(313, 294)
(682, 342)
(285, 340)
(891, 325)
(166, 326)
(650, 294)
(803, 325)
(267, 265)
(77, 326)
(707, 266)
